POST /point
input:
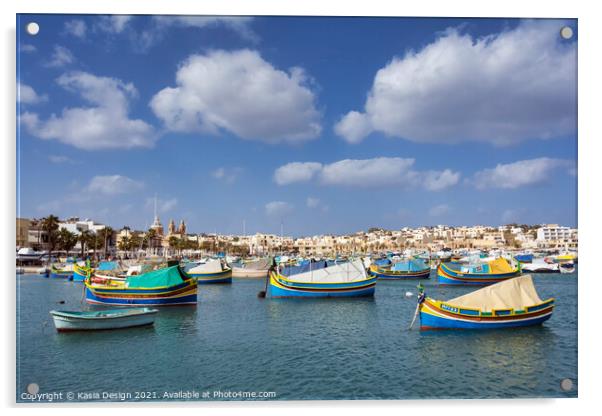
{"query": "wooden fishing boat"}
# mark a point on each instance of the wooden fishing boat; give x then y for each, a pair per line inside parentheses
(405, 269)
(101, 320)
(483, 274)
(341, 280)
(63, 271)
(253, 269)
(213, 271)
(509, 304)
(168, 286)
(566, 268)
(80, 273)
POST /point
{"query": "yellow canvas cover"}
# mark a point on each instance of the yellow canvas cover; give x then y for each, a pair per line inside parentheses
(516, 293)
(500, 265)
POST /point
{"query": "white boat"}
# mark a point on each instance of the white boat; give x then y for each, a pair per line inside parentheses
(566, 268)
(27, 253)
(540, 266)
(99, 320)
(257, 268)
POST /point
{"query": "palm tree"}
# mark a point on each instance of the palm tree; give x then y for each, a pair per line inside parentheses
(124, 244)
(151, 237)
(66, 240)
(50, 225)
(107, 237)
(84, 239)
(174, 242)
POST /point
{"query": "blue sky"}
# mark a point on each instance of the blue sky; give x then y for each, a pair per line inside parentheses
(329, 125)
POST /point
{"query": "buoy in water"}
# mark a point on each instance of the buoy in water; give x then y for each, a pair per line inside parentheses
(62, 302)
(261, 294)
(409, 294)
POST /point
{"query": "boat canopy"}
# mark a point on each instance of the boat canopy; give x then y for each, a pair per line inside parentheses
(516, 293)
(413, 265)
(107, 265)
(169, 276)
(339, 273)
(499, 265)
(259, 264)
(211, 266)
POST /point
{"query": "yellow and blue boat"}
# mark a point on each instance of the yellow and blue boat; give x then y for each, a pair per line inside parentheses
(213, 271)
(488, 273)
(168, 286)
(341, 280)
(405, 269)
(509, 304)
(62, 271)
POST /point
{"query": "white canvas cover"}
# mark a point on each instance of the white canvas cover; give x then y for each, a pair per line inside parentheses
(259, 264)
(211, 266)
(339, 273)
(516, 293)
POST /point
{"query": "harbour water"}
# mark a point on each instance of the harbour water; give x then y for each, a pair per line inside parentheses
(306, 349)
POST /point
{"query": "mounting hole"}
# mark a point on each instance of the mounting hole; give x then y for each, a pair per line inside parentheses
(32, 28)
(566, 32)
(566, 384)
(33, 388)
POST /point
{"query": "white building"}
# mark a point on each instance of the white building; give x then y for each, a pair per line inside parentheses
(554, 232)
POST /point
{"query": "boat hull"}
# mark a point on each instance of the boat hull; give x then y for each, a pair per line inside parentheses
(433, 316)
(448, 276)
(241, 272)
(69, 323)
(212, 278)
(391, 275)
(182, 294)
(59, 274)
(283, 288)
(80, 273)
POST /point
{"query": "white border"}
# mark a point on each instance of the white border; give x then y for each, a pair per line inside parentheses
(589, 189)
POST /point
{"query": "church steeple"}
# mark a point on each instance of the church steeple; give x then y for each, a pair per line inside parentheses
(157, 226)
(172, 227)
(182, 228)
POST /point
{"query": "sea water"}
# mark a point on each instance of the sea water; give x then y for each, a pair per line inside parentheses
(236, 346)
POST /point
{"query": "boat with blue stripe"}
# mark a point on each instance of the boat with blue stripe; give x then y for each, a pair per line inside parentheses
(494, 271)
(211, 272)
(404, 269)
(169, 286)
(509, 304)
(347, 279)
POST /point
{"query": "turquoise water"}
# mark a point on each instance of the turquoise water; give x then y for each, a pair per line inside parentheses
(298, 349)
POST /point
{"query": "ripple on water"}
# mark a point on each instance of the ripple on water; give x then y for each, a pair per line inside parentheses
(301, 349)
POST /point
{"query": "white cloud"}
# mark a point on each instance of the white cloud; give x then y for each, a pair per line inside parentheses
(104, 125)
(238, 24)
(27, 48)
(241, 93)
(278, 208)
(312, 202)
(114, 23)
(438, 180)
(76, 27)
(376, 172)
(354, 127)
(379, 171)
(517, 174)
(296, 172)
(228, 175)
(27, 95)
(315, 203)
(61, 56)
(60, 159)
(439, 210)
(516, 85)
(113, 185)
(163, 205)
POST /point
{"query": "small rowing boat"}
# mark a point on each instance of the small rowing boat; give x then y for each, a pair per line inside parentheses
(100, 320)
(494, 271)
(213, 271)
